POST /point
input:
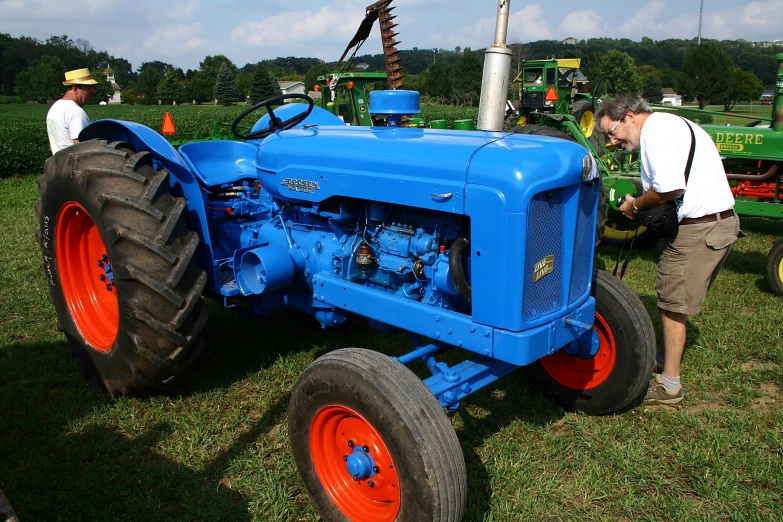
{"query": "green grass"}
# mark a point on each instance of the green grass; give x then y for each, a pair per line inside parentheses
(217, 447)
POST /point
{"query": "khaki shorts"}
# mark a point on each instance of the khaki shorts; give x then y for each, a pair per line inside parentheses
(690, 264)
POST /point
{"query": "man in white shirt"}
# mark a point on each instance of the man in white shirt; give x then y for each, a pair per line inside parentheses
(708, 224)
(66, 118)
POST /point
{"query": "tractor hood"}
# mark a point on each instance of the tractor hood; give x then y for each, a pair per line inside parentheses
(425, 168)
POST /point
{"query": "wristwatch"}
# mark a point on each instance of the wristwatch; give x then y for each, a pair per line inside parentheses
(633, 207)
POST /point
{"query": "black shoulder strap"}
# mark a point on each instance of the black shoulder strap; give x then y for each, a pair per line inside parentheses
(690, 155)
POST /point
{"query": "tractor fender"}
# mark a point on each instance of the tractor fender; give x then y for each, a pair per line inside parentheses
(183, 182)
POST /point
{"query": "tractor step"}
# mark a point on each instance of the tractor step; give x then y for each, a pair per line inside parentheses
(227, 283)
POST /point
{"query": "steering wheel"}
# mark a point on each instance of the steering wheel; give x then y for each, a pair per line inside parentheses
(275, 123)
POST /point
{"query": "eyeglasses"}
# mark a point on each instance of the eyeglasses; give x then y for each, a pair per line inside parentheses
(610, 132)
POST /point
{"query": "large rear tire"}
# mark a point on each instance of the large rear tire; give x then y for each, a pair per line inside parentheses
(372, 443)
(619, 373)
(775, 267)
(118, 258)
(583, 112)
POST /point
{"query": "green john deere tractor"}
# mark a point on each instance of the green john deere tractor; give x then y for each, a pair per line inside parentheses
(555, 87)
(347, 95)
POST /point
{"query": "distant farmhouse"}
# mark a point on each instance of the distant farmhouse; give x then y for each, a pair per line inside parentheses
(570, 41)
(671, 98)
(773, 43)
(362, 66)
(292, 87)
(115, 97)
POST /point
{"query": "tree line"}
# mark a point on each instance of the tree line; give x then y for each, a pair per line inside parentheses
(727, 70)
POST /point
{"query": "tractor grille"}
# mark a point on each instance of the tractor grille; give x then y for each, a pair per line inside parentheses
(583, 245)
(534, 100)
(544, 239)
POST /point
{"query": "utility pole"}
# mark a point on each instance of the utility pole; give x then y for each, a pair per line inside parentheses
(701, 12)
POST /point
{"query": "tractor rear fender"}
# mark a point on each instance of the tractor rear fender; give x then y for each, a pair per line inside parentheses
(183, 182)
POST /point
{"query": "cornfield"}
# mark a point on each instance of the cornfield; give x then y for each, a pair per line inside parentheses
(25, 147)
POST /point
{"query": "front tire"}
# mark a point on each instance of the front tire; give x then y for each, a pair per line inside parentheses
(372, 443)
(775, 267)
(619, 373)
(118, 258)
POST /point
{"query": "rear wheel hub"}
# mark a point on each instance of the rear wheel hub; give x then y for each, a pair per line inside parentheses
(86, 277)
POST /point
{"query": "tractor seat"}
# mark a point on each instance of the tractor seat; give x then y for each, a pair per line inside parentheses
(220, 162)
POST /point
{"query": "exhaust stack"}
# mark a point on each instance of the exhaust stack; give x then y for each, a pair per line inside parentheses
(497, 68)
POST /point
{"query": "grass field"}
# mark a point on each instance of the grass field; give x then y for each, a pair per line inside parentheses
(217, 447)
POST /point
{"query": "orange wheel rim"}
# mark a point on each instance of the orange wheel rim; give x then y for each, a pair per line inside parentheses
(579, 373)
(339, 433)
(86, 277)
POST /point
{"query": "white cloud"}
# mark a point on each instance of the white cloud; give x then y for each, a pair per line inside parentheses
(525, 25)
(328, 23)
(55, 8)
(185, 10)
(751, 22)
(582, 25)
(753, 18)
(176, 40)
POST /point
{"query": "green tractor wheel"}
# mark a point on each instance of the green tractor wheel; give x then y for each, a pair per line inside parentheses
(620, 229)
(775, 267)
(582, 111)
(617, 233)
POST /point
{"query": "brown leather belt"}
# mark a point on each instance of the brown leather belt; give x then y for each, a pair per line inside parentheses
(709, 217)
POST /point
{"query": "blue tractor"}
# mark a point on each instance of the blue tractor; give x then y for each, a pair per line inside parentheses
(475, 240)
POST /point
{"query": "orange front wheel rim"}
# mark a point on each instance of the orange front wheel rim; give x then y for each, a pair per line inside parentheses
(580, 373)
(86, 277)
(354, 465)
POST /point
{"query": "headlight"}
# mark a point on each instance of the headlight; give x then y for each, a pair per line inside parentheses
(587, 167)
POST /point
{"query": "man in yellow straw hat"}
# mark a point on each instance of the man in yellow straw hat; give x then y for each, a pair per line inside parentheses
(66, 118)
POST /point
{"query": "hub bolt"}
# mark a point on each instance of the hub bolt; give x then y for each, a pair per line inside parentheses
(376, 469)
(350, 444)
(345, 457)
(366, 449)
(103, 277)
(108, 287)
(371, 484)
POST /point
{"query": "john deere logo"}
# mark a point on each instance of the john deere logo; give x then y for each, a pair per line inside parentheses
(543, 267)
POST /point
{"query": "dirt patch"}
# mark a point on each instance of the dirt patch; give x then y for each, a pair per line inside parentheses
(700, 406)
(689, 407)
(662, 407)
(558, 426)
(770, 398)
(758, 366)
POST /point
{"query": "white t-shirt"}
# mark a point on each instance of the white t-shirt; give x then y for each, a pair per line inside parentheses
(665, 144)
(64, 121)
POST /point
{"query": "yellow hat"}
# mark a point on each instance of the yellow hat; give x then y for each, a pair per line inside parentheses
(79, 77)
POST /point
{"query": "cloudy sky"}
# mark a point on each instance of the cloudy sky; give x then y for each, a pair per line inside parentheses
(184, 32)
